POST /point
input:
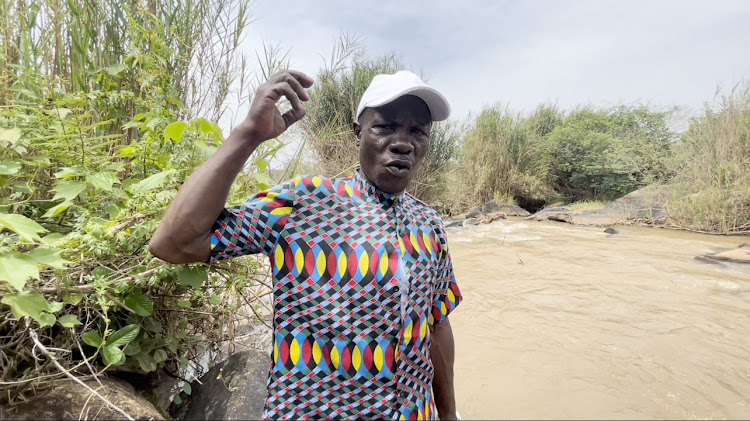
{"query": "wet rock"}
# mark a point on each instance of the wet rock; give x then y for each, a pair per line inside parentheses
(491, 217)
(453, 223)
(471, 221)
(561, 217)
(744, 245)
(474, 212)
(490, 207)
(739, 255)
(704, 259)
(611, 230)
(234, 389)
(512, 210)
(69, 400)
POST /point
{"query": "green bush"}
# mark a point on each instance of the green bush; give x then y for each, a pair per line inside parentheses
(604, 154)
(94, 143)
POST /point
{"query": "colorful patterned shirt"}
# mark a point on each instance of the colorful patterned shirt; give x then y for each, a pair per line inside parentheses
(359, 276)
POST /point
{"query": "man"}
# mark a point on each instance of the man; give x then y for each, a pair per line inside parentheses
(363, 281)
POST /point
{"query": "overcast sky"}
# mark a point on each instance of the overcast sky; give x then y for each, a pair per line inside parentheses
(523, 53)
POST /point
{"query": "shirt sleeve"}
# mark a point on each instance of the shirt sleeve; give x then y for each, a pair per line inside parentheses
(447, 294)
(253, 227)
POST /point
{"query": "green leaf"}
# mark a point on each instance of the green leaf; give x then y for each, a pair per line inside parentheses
(16, 269)
(187, 388)
(160, 355)
(27, 303)
(73, 299)
(49, 257)
(69, 320)
(184, 303)
(115, 69)
(9, 167)
(140, 303)
(10, 136)
(54, 239)
(62, 112)
(183, 363)
(263, 179)
(153, 182)
(67, 172)
(132, 348)
(123, 336)
(55, 306)
(68, 190)
(92, 339)
(126, 151)
(21, 225)
(146, 362)
(177, 399)
(130, 124)
(175, 130)
(23, 187)
(57, 209)
(192, 276)
(215, 300)
(153, 325)
(47, 319)
(103, 180)
(113, 355)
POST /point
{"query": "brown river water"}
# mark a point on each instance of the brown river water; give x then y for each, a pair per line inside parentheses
(567, 322)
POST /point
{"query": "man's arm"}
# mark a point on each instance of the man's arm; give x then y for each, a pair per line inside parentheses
(442, 354)
(184, 234)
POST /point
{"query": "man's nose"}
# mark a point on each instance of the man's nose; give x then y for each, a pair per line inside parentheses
(401, 144)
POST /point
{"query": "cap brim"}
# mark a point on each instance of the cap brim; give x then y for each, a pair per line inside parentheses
(439, 108)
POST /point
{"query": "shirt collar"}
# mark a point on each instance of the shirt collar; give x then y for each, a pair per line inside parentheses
(371, 191)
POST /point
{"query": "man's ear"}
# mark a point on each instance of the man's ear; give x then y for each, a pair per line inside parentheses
(357, 132)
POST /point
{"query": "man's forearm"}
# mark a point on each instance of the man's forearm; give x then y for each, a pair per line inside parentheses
(442, 355)
(183, 236)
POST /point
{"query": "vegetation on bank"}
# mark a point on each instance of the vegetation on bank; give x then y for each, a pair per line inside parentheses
(103, 112)
(552, 155)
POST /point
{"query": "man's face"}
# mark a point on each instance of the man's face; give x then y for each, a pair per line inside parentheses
(393, 140)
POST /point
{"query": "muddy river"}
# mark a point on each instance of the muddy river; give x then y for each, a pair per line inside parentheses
(568, 322)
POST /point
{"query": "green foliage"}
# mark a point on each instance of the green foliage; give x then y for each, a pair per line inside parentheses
(605, 154)
(711, 187)
(95, 139)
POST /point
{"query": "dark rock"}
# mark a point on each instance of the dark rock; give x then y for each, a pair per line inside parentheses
(473, 212)
(69, 400)
(561, 217)
(490, 207)
(451, 223)
(234, 389)
(471, 221)
(744, 245)
(611, 230)
(512, 210)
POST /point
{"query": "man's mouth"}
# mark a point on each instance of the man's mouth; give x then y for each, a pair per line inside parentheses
(399, 167)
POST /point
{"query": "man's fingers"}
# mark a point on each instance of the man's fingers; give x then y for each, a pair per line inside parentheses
(283, 88)
(294, 115)
(283, 75)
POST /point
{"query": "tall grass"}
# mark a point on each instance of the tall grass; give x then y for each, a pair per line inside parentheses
(711, 189)
(499, 158)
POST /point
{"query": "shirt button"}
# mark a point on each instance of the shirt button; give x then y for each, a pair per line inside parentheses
(396, 288)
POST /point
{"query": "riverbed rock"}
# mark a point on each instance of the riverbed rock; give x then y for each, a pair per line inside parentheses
(739, 255)
(492, 217)
(561, 217)
(611, 230)
(473, 212)
(69, 400)
(450, 223)
(471, 221)
(232, 390)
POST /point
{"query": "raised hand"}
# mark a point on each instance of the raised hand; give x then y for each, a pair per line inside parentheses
(264, 120)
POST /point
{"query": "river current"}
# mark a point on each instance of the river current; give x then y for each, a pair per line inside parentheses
(569, 322)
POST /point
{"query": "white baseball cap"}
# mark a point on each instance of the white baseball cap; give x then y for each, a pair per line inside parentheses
(387, 88)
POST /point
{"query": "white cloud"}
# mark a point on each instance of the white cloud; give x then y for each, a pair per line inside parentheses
(524, 53)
